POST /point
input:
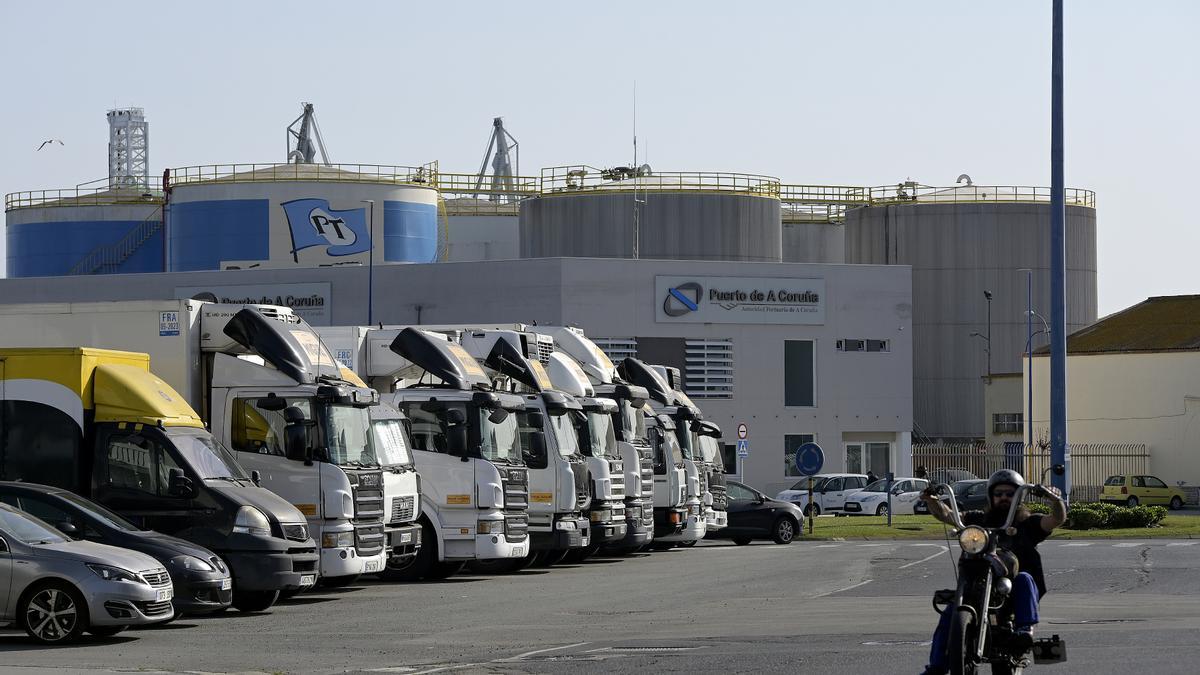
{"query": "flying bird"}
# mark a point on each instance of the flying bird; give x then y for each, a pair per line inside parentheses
(48, 142)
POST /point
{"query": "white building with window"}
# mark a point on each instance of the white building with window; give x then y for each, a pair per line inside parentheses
(797, 352)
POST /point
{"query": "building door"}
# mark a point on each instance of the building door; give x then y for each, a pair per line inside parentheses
(869, 458)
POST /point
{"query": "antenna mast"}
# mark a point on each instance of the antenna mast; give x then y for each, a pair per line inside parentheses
(128, 148)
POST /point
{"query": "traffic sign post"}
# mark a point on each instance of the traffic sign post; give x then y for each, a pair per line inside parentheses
(809, 460)
(743, 448)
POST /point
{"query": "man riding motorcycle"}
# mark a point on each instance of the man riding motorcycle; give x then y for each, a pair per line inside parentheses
(1031, 530)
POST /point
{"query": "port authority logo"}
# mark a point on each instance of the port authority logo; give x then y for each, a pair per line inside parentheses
(683, 298)
(313, 223)
(752, 300)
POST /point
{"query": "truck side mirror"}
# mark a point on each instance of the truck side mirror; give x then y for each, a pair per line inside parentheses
(179, 485)
(537, 450)
(455, 416)
(456, 439)
(295, 436)
(498, 415)
(537, 420)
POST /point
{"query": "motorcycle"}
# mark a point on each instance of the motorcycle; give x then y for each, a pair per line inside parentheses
(982, 617)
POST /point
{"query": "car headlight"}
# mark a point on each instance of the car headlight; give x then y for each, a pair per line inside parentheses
(192, 564)
(250, 520)
(337, 539)
(973, 539)
(110, 573)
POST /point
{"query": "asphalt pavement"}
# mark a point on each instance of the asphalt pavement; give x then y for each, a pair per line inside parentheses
(836, 607)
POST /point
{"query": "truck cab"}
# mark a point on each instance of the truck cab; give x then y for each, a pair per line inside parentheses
(97, 422)
(280, 400)
(401, 485)
(708, 441)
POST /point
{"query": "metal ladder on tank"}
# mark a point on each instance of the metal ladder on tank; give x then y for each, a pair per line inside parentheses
(106, 258)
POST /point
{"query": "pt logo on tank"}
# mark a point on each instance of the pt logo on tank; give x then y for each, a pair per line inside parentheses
(313, 223)
(683, 298)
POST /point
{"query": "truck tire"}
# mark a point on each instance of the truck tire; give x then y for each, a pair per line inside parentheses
(338, 582)
(417, 566)
(53, 613)
(443, 570)
(550, 558)
(254, 601)
(496, 565)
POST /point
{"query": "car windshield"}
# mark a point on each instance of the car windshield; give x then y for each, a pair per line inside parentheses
(347, 435)
(499, 441)
(565, 438)
(99, 512)
(877, 486)
(601, 437)
(27, 529)
(205, 454)
(961, 487)
(818, 483)
(391, 446)
(633, 421)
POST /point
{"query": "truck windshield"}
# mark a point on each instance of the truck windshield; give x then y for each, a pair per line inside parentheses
(26, 528)
(600, 434)
(564, 434)
(633, 421)
(390, 445)
(347, 435)
(710, 450)
(672, 446)
(205, 454)
(683, 436)
(499, 441)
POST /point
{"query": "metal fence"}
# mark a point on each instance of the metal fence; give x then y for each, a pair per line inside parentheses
(1091, 463)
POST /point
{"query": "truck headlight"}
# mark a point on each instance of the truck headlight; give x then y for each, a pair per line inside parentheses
(337, 539)
(489, 526)
(250, 520)
(566, 525)
(600, 515)
(973, 539)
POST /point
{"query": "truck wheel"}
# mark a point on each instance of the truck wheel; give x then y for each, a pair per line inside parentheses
(53, 613)
(338, 582)
(550, 558)
(443, 570)
(418, 565)
(254, 601)
(496, 565)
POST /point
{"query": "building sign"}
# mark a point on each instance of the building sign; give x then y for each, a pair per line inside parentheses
(310, 301)
(762, 300)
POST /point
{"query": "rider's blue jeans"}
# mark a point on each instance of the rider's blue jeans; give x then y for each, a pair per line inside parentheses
(1025, 611)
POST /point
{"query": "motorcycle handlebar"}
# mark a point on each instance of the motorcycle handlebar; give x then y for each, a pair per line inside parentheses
(1016, 504)
(953, 503)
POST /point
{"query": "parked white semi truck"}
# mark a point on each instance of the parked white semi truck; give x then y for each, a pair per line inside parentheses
(268, 389)
(465, 442)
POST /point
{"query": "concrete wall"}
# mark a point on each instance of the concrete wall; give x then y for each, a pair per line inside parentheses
(865, 396)
(814, 242)
(482, 238)
(1151, 398)
(1003, 395)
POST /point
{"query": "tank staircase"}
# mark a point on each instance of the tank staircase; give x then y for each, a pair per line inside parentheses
(108, 258)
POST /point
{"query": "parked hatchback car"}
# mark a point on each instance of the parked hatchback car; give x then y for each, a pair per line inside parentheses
(830, 491)
(1133, 490)
(753, 515)
(56, 588)
(201, 580)
(873, 499)
(971, 495)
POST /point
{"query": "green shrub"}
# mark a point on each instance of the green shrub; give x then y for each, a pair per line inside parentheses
(1035, 507)
(1097, 515)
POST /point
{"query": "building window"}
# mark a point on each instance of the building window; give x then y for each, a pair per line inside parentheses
(1008, 423)
(617, 349)
(856, 345)
(799, 374)
(791, 443)
(869, 457)
(709, 368)
(729, 458)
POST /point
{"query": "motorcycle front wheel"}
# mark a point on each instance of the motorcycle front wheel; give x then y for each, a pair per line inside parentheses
(962, 644)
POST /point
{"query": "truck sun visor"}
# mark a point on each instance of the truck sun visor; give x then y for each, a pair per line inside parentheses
(506, 359)
(444, 360)
(642, 375)
(295, 352)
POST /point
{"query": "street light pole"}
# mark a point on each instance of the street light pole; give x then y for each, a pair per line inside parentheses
(1029, 355)
(1059, 452)
(371, 263)
(988, 295)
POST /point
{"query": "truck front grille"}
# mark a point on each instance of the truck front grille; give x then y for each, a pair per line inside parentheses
(618, 480)
(516, 526)
(647, 467)
(368, 539)
(402, 509)
(368, 495)
(516, 503)
(720, 498)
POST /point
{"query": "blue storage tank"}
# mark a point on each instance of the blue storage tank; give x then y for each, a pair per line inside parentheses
(84, 231)
(299, 215)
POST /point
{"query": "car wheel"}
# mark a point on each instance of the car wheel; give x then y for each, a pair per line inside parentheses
(741, 541)
(784, 530)
(106, 631)
(811, 511)
(1132, 501)
(254, 601)
(882, 510)
(1176, 503)
(53, 613)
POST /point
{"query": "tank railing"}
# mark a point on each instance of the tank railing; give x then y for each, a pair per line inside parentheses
(797, 212)
(465, 184)
(108, 257)
(102, 192)
(481, 207)
(913, 192)
(571, 179)
(824, 194)
(426, 174)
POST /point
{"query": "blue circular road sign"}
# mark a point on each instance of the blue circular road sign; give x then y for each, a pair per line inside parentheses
(809, 459)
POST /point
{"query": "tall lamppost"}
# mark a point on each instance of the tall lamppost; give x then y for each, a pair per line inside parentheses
(987, 338)
(371, 262)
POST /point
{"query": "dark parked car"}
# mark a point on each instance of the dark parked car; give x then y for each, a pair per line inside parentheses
(200, 578)
(753, 515)
(971, 495)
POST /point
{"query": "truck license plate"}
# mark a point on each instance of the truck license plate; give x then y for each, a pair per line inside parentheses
(164, 594)
(372, 566)
(308, 579)
(226, 584)
(518, 552)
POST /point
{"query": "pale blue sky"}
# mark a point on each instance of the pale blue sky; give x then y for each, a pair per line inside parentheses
(849, 92)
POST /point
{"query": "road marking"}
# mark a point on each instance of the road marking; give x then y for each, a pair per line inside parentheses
(870, 545)
(925, 559)
(1182, 543)
(1078, 543)
(861, 583)
(519, 657)
(827, 545)
(1127, 545)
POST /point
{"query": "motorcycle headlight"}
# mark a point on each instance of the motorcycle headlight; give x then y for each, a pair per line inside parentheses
(192, 563)
(110, 573)
(973, 539)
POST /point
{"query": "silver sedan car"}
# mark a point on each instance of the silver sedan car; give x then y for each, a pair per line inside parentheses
(56, 588)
